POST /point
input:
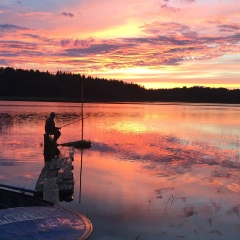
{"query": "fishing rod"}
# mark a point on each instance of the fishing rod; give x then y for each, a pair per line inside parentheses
(73, 122)
(70, 123)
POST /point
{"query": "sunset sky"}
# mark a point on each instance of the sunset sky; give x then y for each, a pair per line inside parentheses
(154, 43)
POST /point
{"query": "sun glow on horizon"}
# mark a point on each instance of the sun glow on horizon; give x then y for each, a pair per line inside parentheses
(129, 127)
(130, 30)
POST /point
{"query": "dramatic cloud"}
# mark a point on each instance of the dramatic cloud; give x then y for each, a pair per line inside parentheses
(10, 27)
(177, 41)
(3, 62)
(189, 1)
(168, 8)
(67, 14)
(77, 43)
(230, 28)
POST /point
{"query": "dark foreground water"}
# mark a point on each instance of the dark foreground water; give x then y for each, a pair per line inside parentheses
(155, 171)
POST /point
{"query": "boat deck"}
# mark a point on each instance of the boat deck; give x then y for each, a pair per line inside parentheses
(43, 222)
(27, 217)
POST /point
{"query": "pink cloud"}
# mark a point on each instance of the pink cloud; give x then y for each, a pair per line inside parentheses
(77, 43)
(67, 14)
(143, 34)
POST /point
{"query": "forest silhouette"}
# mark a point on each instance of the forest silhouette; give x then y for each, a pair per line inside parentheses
(19, 84)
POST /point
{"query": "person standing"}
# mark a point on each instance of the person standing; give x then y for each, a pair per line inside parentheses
(50, 127)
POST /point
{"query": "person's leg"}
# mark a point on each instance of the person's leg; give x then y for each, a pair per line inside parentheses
(57, 134)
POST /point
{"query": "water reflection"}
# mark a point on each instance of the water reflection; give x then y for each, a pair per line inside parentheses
(56, 181)
(153, 172)
(51, 149)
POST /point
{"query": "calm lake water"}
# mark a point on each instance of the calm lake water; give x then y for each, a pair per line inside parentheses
(155, 171)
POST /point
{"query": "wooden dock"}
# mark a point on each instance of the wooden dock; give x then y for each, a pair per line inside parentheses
(56, 181)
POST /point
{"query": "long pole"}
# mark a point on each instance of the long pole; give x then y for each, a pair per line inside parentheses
(82, 109)
(80, 178)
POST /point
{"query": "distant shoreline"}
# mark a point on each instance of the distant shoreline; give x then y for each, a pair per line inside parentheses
(29, 85)
(24, 99)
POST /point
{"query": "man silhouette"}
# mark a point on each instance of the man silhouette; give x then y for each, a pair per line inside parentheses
(50, 127)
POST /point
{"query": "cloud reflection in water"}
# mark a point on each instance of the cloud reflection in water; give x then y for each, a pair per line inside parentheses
(161, 171)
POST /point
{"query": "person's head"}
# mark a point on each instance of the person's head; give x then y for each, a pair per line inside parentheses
(52, 115)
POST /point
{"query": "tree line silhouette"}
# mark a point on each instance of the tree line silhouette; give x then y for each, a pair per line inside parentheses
(22, 84)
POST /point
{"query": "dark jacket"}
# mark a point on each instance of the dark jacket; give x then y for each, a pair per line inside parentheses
(50, 126)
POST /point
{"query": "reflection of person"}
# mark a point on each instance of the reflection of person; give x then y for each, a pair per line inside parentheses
(50, 152)
(50, 127)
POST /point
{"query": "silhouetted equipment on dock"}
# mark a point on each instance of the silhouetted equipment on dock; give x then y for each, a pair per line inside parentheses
(77, 144)
(50, 146)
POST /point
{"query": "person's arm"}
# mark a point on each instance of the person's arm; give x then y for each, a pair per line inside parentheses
(56, 128)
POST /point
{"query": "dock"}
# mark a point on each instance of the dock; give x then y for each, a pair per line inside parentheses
(56, 181)
(39, 216)
(23, 216)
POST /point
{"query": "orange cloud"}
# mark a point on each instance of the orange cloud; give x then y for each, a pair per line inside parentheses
(163, 42)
